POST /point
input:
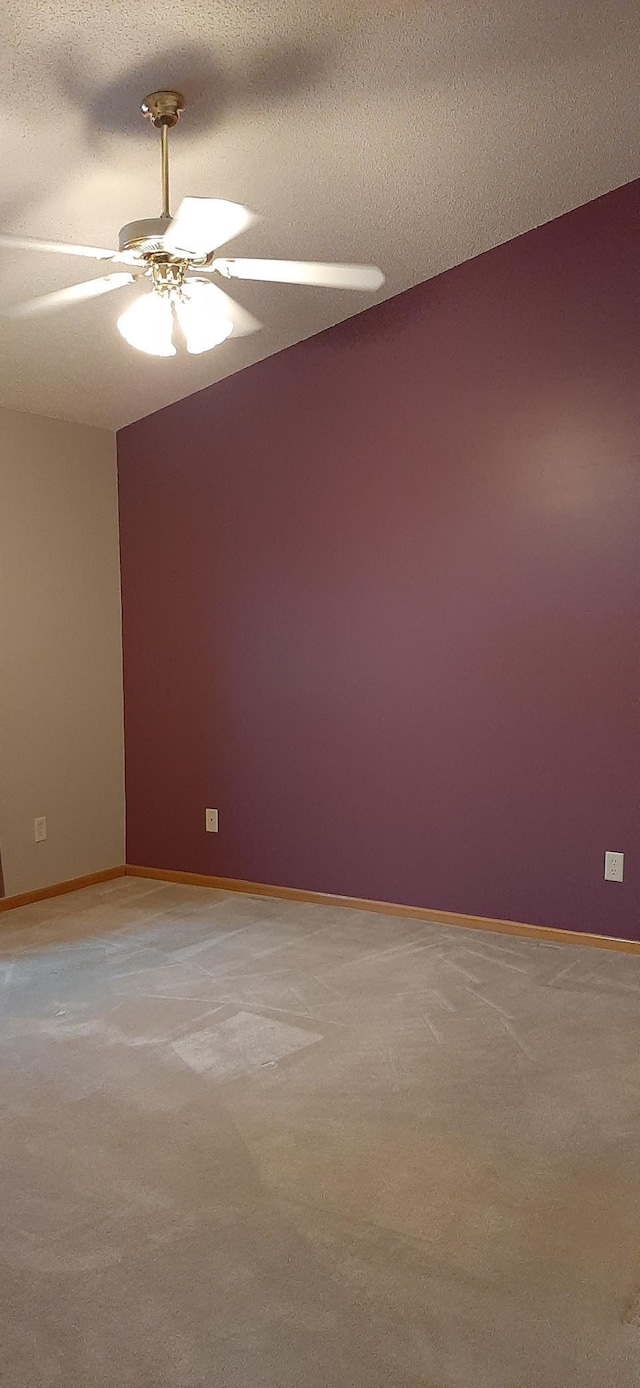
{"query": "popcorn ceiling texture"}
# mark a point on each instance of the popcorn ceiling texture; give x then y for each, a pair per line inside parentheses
(411, 134)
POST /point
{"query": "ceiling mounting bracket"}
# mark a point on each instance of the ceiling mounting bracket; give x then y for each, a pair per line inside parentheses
(163, 108)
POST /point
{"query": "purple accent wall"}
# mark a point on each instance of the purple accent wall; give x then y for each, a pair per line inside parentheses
(381, 596)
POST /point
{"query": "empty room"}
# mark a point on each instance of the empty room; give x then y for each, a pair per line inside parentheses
(319, 695)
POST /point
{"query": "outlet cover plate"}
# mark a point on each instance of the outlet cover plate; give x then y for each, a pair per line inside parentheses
(614, 867)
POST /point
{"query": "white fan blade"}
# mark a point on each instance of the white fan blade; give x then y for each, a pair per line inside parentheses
(202, 224)
(243, 322)
(89, 289)
(303, 272)
(33, 243)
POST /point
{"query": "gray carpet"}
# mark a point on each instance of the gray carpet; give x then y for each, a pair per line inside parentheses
(252, 1144)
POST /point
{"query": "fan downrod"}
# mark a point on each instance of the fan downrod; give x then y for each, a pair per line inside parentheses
(163, 109)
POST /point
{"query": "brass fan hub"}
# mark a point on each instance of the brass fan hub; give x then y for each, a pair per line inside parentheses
(168, 274)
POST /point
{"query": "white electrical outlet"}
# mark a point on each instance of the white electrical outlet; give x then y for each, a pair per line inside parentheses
(211, 821)
(40, 829)
(614, 867)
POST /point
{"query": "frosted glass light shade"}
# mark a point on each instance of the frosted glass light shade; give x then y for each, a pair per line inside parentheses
(148, 325)
(198, 310)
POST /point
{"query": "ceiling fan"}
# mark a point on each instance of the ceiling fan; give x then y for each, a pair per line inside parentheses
(176, 255)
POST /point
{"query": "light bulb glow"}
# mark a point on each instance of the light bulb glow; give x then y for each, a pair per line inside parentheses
(148, 325)
(198, 310)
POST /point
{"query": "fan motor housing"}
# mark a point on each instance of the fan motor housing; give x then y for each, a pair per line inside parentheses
(145, 236)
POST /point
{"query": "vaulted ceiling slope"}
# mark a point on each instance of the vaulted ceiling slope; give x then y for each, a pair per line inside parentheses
(410, 133)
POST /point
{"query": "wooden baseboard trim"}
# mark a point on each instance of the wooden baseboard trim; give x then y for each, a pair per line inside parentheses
(74, 884)
(388, 908)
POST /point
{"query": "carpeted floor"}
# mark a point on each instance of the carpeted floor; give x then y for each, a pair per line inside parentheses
(251, 1144)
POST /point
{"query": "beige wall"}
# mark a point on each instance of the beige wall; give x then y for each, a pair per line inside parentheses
(61, 735)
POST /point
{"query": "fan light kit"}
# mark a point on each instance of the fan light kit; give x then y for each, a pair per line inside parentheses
(177, 256)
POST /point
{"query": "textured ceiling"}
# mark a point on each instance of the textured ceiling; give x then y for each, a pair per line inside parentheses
(414, 135)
